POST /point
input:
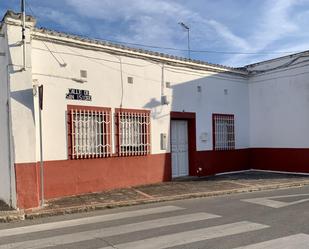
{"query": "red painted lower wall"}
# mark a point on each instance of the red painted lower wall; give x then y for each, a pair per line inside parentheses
(213, 162)
(280, 159)
(73, 177)
(27, 185)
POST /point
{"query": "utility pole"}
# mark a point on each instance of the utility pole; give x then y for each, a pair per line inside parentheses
(23, 30)
(187, 28)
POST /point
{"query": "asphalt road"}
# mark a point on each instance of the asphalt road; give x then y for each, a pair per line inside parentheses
(272, 219)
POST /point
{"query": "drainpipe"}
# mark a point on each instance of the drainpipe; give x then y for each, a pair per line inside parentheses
(10, 136)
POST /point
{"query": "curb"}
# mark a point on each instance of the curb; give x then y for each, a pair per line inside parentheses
(14, 216)
(99, 206)
(11, 216)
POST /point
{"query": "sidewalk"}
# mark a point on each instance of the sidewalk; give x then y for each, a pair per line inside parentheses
(188, 187)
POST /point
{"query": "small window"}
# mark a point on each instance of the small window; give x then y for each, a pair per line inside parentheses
(133, 128)
(89, 131)
(223, 132)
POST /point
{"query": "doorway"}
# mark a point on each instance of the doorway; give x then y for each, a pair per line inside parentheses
(179, 148)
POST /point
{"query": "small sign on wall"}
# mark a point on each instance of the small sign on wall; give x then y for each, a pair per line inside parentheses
(78, 94)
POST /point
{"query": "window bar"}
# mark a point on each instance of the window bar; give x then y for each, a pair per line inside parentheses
(127, 132)
(95, 128)
(72, 134)
(106, 134)
(120, 130)
(145, 134)
(79, 126)
(77, 132)
(92, 134)
(139, 134)
(99, 134)
(103, 133)
(148, 133)
(123, 133)
(129, 138)
(131, 151)
(227, 124)
(109, 134)
(87, 135)
(134, 134)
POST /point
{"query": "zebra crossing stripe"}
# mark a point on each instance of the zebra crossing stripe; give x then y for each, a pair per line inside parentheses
(110, 231)
(86, 221)
(298, 241)
(192, 236)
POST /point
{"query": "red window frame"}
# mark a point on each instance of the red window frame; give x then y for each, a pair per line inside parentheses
(230, 118)
(106, 126)
(145, 119)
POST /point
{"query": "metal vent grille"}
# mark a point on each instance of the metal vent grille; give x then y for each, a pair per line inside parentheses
(133, 133)
(224, 132)
(90, 133)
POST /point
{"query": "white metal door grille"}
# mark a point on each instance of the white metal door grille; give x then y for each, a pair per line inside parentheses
(224, 134)
(133, 133)
(90, 133)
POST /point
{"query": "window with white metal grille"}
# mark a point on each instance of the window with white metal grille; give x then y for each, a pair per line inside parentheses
(89, 132)
(133, 127)
(223, 132)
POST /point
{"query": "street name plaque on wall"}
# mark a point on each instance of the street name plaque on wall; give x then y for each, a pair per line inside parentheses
(78, 94)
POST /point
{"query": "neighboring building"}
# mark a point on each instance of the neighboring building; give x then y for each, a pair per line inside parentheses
(115, 116)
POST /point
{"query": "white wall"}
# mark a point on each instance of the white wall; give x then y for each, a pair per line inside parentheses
(22, 107)
(4, 130)
(279, 104)
(104, 84)
(212, 99)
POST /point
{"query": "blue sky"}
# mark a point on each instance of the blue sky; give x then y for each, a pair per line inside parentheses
(262, 27)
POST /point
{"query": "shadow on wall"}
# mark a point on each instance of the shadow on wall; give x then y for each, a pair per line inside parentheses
(204, 96)
(24, 97)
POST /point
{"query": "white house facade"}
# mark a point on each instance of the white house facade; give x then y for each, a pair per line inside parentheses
(113, 116)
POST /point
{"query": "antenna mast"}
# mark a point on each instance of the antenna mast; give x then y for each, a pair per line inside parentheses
(23, 13)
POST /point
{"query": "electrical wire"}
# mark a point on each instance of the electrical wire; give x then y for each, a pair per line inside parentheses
(63, 63)
(91, 57)
(191, 50)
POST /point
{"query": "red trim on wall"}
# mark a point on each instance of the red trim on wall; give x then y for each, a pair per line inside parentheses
(190, 117)
(280, 159)
(212, 162)
(74, 177)
(86, 107)
(183, 115)
(131, 110)
(27, 185)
